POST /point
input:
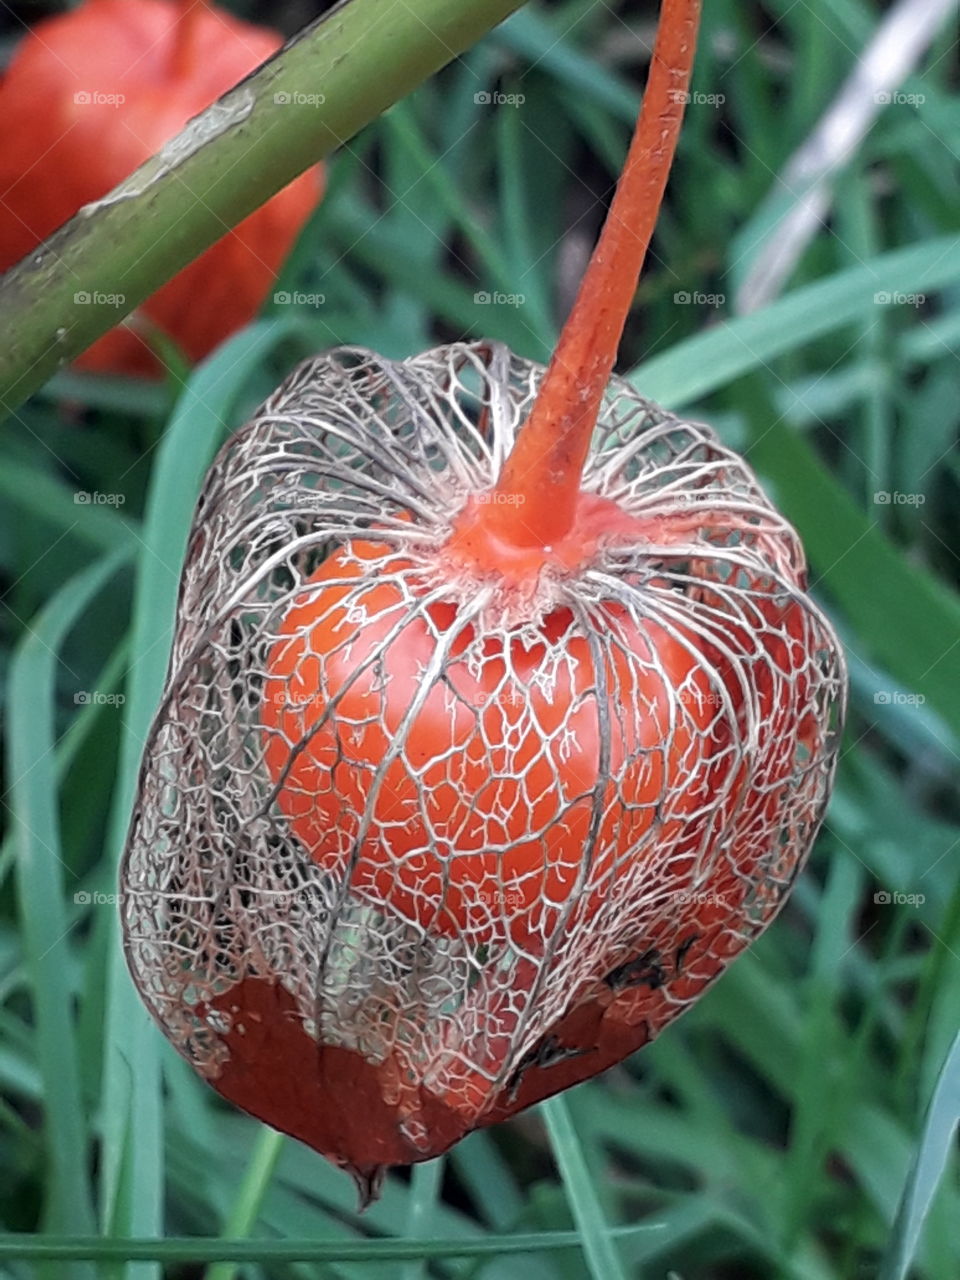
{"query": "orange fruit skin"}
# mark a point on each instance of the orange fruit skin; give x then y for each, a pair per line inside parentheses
(57, 154)
(679, 953)
(481, 821)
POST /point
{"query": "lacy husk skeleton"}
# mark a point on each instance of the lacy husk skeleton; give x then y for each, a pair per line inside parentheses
(711, 775)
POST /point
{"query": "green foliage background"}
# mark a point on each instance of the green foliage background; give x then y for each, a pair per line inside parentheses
(770, 1133)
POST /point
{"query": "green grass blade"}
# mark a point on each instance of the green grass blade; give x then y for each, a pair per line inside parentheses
(907, 621)
(243, 1217)
(175, 1249)
(926, 1170)
(41, 496)
(132, 1164)
(694, 368)
(530, 33)
(117, 394)
(602, 1257)
(489, 1179)
(41, 889)
(818, 1089)
(425, 1180)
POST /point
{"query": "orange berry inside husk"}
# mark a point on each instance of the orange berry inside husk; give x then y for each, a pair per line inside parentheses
(91, 94)
(464, 805)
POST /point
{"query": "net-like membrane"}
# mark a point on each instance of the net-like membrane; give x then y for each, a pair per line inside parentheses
(412, 851)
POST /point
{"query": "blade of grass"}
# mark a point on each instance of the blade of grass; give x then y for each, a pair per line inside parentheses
(32, 765)
(935, 983)
(926, 1170)
(307, 1198)
(129, 396)
(175, 1249)
(375, 242)
(907, 622)
(131, 1186)
(489, 1179)
(498, 273)
(694, 368)
(425, 1180)
(822, 1051)
(531, 34)
(243, 1216)
(496, 1199)
(516, 223)
(874, 432)
(43, 497)
(603, 1260)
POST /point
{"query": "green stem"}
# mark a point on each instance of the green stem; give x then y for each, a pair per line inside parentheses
(425, 1181)
(360, 58)
(600, 1253)
(193, 1249)
(243, 1216)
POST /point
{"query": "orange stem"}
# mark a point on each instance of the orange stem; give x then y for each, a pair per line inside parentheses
(540, 481)
(184, 33)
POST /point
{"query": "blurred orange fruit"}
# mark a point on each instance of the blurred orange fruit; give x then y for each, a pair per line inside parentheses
(90, 95)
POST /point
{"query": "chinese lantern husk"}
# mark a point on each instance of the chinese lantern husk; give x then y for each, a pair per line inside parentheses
(485, 923)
